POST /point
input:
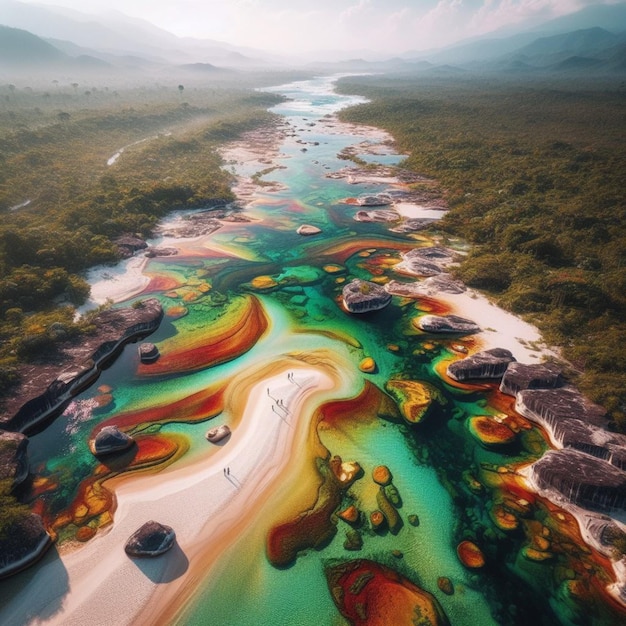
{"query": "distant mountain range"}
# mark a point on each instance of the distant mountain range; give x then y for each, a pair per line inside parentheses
(591, 41)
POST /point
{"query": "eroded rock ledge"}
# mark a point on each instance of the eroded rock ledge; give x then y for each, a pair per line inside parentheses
(77, 365)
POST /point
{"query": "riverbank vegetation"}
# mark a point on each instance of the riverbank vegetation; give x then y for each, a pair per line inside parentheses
(81, 166)
(534, 176)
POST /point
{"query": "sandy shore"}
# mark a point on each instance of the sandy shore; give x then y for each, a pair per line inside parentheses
(100, 585)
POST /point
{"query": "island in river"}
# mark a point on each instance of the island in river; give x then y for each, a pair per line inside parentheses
(364, 472)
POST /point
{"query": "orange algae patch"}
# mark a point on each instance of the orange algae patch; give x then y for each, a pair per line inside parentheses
(414, 398)
(503, 519)
(368, 365)
(377, 519)
(490, 432)
(350, 514)
(343, 250)
(470, 555)
(369, 594)
(381, 475)
(176, 312)
(162, 283)
(263, 282)
(332, 268)
(93, 505)
(232, 335)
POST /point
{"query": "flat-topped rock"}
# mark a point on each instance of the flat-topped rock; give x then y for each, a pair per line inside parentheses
(110, 440)
(520, 376)
(444, 283)
(307, 230)
(156, 252)
(377, 215)
(152, 539)
(549, 406)
(13, 457)
(148, 352)
(362, 296)
(447, 324)
(582, 479)
(482, 365)
(128, 245)
(428, 287)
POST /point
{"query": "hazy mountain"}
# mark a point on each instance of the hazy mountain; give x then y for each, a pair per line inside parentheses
(19, 47)
(611, 17)
(119, 35)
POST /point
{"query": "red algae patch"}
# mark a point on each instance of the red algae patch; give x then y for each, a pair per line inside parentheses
(470, 555)
(490, 432)
(369, 594)
(230, 336)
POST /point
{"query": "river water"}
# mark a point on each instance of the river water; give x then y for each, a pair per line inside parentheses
(445, 478)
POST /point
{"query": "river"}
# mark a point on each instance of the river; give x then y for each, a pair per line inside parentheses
(246, 307)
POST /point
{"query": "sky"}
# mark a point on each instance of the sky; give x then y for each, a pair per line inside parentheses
(389, 26)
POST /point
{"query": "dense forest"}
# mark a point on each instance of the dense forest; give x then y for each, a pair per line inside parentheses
(63, 204)
(534, 176)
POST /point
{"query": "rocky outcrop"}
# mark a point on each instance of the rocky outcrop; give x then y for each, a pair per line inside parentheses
(426, 261)
(488, 364)
(379, 215)
(361, 296)
(110, 440)
(23, 542)
(550, 406)
(148, 353)
(77, 366)
(430, 286)
(582, 479)
(13, 457)
(447, 324)
(444, 283)
(381, 199)
(214, 435)
(520, 376)
(153, 252)
(307, 230)
(128, 245)
(152, 539)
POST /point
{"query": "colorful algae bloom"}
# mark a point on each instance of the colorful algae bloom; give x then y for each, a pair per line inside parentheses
(376, 490)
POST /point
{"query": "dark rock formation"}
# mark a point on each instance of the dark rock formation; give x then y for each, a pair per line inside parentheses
(152, 539)
(218, 433)
(361, 296)
(379, 215)
(110, 440)
(77, 365)
(582, 479)
(128, 245)
(449, 324)
(549, 406)
(488, 364)
(148, 352)
(308, 230)
(519, 376)
(23, 542)
(13, 457)
(381, 199)
(154, 252)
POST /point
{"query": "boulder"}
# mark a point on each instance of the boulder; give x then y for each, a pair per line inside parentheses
(550, 406)
(520, 376)
(444, 283)
(448, 324)
(218, 433)
(377, 215)
(582, 479)
(110, 440)
(152, 539)
(155, 252)
(482, 365)
(128, 245)
(307, 230)
(13, 457)
(148, 352)
(362, 296)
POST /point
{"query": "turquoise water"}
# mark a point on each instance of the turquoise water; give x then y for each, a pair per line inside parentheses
(429, 463)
